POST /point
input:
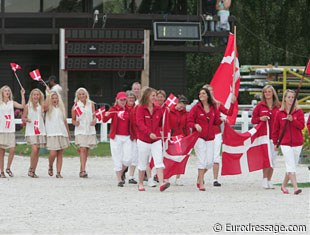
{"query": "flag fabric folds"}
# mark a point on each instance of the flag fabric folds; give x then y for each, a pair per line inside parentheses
(172, 100)
(15, 67)
(100, 112)
(35, 75)
(223, 82)
(77, 110)
(177, 153)
(246, 152)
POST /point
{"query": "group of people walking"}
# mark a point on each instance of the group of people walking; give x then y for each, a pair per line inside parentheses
(140, 123)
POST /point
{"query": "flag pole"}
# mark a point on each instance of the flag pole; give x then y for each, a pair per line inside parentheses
(293, 105)
(235, 58)
(18, 80)
(44, 83)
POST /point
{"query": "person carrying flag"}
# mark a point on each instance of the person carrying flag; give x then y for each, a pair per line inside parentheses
(292, 141)
(178, 123)
(7, 126)
(35, 133)
(202, 117)
(149, 122)
(84, 120)
(120, 136)
(265, 111)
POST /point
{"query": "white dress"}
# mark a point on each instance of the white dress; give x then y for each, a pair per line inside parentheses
(7, 125)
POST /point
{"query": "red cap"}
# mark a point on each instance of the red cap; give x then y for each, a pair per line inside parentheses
(121, 95)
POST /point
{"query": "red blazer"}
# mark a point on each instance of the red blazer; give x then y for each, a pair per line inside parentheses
(133, 122)
(148, 123)
(227, 112)
(178, 122)
(293, 132)
(119, 125)
(262, 109)
(198, 115)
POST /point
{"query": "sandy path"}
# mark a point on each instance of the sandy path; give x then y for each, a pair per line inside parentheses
(97, 205)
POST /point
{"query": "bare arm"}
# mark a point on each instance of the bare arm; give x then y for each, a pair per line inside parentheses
(22, 105)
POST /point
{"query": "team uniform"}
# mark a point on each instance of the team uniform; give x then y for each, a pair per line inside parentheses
(292, 141)
(204, 147)
(260, 110)
(35, 129)
(149, 123)
(56, 131)
(7, 125)
(120, 142)
(85, 134)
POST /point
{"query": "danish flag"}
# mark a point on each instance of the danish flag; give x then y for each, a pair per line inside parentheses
(99, 113)
(307, 72)
(171, 100)
(15, 67)
(7, 121)
(35, 75)
(177, 141)
(36, 127)
(77, 110)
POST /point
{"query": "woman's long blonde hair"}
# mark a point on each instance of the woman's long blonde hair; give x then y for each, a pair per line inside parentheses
(283, 106)
(85, 91)
(1, 92)
(275, 99)
(146, 95)
(30, 101)
(60, 105)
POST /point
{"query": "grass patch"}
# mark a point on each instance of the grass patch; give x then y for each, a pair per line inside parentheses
(102, 150)
(300, 185)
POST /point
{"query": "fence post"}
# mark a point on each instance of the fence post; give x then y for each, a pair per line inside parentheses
(103, 132)
(245, 121)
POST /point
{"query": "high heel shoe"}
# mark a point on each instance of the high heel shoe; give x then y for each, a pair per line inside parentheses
(298, 191)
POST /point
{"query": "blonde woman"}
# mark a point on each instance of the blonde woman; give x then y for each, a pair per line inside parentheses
(84, 120)
(292, 141)
(57, 131)
(7, 126)
(265, 111)
(35, 129)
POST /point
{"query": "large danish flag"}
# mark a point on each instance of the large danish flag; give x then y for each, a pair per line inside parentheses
(225, 82)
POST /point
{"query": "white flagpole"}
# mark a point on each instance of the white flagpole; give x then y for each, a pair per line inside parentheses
(18, 80)
(235, 59)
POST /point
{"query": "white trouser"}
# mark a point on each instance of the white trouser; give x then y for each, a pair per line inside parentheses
(121, 151)
(217, 148)
(134, 153)
(274, 154)
(291, 155)
(204, 151)
(146, 150)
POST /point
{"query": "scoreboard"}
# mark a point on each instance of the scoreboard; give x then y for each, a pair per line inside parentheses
(102, 49)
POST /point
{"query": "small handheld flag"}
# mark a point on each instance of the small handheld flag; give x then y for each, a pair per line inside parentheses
(77, 110)
(35, 75)
(307, 72)
(16, 67)
(99, 113)
(171, 100)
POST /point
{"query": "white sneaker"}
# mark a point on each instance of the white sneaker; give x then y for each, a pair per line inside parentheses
(151, 183)
(265, 183)
(211, 45)
(270, 185)
(178, 182)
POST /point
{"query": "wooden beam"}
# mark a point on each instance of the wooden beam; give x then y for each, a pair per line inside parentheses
(145, 74)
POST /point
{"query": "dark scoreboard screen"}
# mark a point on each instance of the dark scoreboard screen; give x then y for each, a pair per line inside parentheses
(104, 49)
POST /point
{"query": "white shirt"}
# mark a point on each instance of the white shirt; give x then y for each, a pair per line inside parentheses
(57, 88)
(54, 123)
(7, 121)
(85, 119)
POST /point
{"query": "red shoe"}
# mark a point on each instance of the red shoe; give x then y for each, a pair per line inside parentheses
(164, 186)
(284, 190)
(141, 189)
(202, 189)
(298, 191)
(198, 185)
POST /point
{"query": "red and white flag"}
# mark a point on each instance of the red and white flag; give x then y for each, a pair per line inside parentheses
(8, 120)
(15, 67)
(120, 114)
(177, 154)
(307, 72)
(225, 82)
(36, 128)
(35, 75)
(172, 100)
(246, 152)
(77, 110)
(100, 112)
